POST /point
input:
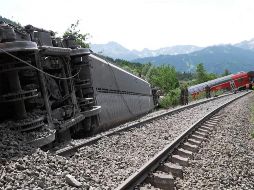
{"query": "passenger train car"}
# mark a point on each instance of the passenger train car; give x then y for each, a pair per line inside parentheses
(51, 83)
(232, 82)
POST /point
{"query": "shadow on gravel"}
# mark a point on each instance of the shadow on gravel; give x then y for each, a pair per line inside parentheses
(13, 145)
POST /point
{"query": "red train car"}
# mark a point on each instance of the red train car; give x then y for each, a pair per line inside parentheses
(233, 82)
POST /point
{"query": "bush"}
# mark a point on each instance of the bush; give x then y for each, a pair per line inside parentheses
(171, 99)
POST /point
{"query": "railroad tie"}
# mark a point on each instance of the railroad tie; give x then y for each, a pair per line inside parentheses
(203, 130)
(162, 180)
(175, 169)
(204, 127)
(198, 133)
(194, 141)
(180, 160)
(197, 137)
(190, 147)
(216, 117)
(184, 153)
(211, 123)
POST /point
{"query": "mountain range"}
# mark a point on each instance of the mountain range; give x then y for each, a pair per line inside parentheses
(117, 51)
(215, 59)
(235, 58)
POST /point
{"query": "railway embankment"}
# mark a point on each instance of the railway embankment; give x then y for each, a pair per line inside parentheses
(225, 160)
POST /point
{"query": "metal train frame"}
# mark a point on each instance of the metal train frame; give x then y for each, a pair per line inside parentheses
(48, 82)
(231, 82)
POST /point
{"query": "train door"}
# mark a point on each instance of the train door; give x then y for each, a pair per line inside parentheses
(232, 85)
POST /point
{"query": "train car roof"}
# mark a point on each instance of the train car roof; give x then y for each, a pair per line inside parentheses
(239, 74)
(112, 65)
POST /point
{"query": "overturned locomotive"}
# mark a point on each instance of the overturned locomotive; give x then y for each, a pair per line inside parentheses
(52, 83)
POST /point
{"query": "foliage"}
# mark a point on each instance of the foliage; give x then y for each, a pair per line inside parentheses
(79, 37)
(202, 75)
(135, 68)
(171, 99)
(185, 76)
(132, 67)
(164, 77)
(146, 71)
(211, 76)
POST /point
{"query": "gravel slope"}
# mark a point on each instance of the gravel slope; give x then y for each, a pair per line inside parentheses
(226, 160)
(101, 166)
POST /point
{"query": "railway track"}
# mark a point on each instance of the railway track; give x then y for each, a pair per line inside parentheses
(160, 171)
(109, 161)
(101, 165)
(77, 144)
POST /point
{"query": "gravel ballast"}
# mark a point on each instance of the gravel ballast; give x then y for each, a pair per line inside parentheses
(225, 161)
(115, 158)
(103, 165)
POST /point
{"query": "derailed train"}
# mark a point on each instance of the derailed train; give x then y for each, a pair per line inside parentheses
(48, 82)
(232, 82)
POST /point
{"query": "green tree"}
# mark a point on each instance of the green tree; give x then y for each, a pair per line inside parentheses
(80, 38)
(201, 73)
(164, 77)
(211, 76)
(146, 71)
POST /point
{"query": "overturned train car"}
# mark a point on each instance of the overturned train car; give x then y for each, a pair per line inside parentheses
(51, 83)
(233, 82)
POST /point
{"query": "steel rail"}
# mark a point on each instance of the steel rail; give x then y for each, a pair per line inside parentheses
(138, 177)
(72, 149)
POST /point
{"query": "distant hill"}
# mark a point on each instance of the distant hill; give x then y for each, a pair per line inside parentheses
(114, 50)
(248, 44)
(117, 51)
(215, 59)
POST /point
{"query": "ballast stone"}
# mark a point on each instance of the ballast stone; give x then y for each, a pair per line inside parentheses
(72, 181)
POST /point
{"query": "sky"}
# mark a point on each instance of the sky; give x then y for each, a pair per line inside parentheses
(138, 24)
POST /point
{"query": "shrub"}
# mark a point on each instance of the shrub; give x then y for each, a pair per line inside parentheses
(171, 99)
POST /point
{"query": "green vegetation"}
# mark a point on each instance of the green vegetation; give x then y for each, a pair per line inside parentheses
(164, 77)
(202, 75)
(80, 38)
(172, 98)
